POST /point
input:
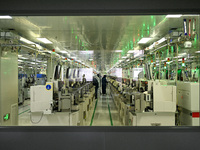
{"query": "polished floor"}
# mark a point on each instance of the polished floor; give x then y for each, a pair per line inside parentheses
(105, 114)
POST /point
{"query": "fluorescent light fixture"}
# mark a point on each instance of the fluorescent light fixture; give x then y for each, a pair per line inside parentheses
(23, 58)
(161, 40)
(64, 52)
(197, 52)
(124, 57)
(26, 41)
(178, 57)
(38, 46)
(182, 54)
(5, 17)
(20, 60)
(138, 53)
(174, 16)
(151, 46)
(73, 57)
(144, 40)
(48, 52)
(118, 51)
(44, 40)
(128, 60)
(29, 42)
(131, 51)
(90, 59)
(86, 52)
(191, 15)
(120, 60)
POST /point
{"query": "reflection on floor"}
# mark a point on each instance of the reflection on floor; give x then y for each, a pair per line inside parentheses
(103, 115)
(24, 114)
(106, 113)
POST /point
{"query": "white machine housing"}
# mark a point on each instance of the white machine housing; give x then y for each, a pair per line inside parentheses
(164, 98)
(188, 98)
(41, 99)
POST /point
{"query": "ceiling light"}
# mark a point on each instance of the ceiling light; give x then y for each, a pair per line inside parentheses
(118, 51)
(5, 17)
(182, 54)
(26, 41)
(86, 52)
(161, 40)
(20, 60)
(151, 46)
(48, 52)
(64, 52)
(44, 40)
(174, 16)
(22, 57)
(138, 53)
(131, 51)
(124, 57)
(38, 46)
(197, 52)
(90, 59)
(144, 40)
(191, 15)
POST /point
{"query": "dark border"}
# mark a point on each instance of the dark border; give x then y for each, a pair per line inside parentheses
(98, 129)
(98, 138)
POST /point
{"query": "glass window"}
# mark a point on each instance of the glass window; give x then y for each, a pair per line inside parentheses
(99, 70)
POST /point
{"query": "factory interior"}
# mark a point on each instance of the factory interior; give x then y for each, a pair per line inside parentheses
(140, 70)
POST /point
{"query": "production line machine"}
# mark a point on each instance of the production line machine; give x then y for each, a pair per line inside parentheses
(21, 87)
(64, 97)
(188, 103)
(156, 102)
(147, 103)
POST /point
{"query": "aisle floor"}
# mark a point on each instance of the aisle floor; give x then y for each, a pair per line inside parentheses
(103, 116)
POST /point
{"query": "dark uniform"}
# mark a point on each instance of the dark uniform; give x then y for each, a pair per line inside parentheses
(104, 83)
(96, 84)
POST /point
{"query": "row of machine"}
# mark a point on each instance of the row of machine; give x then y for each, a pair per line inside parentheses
(25, 81)
(63, 100)
(156, 102)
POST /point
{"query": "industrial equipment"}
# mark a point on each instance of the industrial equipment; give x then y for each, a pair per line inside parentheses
(188, 101)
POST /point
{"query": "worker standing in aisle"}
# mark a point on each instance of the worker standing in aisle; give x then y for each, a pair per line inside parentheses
(83, 79)
(96, 82)
(104, 83)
